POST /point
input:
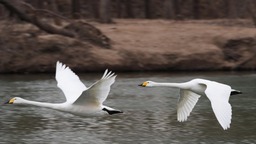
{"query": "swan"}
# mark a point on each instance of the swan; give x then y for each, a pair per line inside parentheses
(190, 92)
(80, 100)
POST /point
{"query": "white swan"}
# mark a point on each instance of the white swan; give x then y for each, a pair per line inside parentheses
(80, 100)
(190, 92)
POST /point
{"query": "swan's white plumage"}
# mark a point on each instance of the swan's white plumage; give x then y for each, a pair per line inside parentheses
(219, 95)
(98, 92)
(79, 99)
(190, 92)
(68, 82)
(187, 101)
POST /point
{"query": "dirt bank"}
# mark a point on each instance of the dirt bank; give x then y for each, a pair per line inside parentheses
(137, 45)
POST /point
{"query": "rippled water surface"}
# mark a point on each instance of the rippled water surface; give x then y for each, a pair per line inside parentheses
(149, 118)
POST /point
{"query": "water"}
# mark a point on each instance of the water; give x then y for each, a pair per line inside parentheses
(149, 118)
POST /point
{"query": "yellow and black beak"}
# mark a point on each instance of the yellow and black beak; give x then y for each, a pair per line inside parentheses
(10, 101)
(144, 84)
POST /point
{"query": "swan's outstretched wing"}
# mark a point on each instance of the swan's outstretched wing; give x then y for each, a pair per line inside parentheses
(187, 101)
(98, 92)
(219, 95)
(68, 82)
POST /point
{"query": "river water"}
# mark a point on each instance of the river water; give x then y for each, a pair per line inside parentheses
(149, 113)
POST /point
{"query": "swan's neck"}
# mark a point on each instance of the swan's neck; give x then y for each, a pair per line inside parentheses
(175, 85)
(39, 104)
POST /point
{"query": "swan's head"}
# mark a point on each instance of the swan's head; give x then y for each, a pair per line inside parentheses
(147, 84)
(15, 100)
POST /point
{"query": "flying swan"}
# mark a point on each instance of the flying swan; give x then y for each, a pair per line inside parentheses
(191, 91)
(80, 100)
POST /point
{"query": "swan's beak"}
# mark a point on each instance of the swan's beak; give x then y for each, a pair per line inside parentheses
(10, 101)
(144, 84)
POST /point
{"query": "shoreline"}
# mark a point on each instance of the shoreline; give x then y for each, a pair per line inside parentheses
(137, 45)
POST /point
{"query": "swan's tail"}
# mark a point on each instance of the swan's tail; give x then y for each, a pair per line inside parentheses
(235, 92)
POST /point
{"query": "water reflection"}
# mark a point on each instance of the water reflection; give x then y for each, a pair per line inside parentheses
(150, 113)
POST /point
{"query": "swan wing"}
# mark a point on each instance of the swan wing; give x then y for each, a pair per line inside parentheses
(219, 96)
(68, 82)
(187, 101)
(98, 92)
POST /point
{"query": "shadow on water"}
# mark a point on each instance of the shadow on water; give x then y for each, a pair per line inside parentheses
(150, 113)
